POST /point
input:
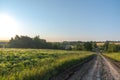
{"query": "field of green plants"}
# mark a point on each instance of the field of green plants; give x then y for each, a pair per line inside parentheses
(36, 64)
(115, 56)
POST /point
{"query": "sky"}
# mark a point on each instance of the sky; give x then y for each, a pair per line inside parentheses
(61, 20)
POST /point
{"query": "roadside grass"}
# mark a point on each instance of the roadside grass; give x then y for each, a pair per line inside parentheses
(37, 64)
(114, 56)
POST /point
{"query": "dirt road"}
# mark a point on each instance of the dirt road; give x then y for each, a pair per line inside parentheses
(98, 68)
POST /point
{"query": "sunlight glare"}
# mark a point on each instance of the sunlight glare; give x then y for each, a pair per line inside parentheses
(8, 26)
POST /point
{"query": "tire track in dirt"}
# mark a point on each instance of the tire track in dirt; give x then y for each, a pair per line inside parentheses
(98, 68)
(92, 74)
(111, 69)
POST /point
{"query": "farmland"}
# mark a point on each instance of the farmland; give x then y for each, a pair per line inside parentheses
(115, 56)
(37, 64)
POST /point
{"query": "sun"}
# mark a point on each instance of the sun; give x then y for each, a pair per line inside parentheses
(8, 26)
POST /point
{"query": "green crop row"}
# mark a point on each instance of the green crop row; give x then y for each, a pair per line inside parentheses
(36, 64)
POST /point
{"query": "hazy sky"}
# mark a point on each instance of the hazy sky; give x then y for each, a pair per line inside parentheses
(59, 20)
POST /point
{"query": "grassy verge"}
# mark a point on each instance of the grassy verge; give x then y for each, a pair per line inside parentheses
(34, 64)
(114, 56)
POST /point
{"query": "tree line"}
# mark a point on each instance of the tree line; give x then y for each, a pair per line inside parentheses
(38, 43)
(111, 47)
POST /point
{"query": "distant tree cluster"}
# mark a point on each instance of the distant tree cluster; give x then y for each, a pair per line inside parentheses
(37, 43)
(1, 46)
(26, 42)
(111, 47)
